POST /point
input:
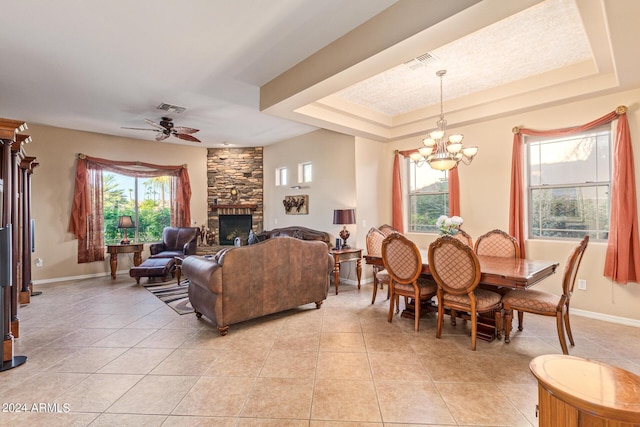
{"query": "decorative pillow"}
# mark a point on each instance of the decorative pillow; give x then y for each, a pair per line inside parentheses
(298, 235)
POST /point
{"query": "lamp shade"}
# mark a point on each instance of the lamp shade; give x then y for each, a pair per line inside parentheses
(125, 221)
(344, 216)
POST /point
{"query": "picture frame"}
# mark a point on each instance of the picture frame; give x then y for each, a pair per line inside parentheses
(296, 205)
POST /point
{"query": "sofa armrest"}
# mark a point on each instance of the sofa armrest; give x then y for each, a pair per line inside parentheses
(189, 248)
(156, 248)
(202, 271)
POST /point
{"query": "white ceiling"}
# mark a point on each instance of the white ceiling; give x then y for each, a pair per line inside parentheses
(99, 66)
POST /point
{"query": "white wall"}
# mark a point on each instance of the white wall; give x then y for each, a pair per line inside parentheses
(53, 186)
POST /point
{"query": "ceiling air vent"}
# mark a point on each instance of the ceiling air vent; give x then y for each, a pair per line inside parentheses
(420, 61)
(171, 108)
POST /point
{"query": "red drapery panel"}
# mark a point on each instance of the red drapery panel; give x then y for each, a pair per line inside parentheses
(454, 192)
(396, 198)
(86, 210)
(397, 218)
(622, 263)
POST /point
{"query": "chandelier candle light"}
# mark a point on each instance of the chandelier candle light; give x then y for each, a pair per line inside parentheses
(442, 152)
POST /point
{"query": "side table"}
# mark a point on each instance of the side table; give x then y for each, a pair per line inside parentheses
(114, 250)
(344, 255)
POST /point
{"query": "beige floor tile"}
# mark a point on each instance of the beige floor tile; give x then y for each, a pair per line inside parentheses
(129, 420)
(343, 366)
(137, 361)
(266, 422)
(208, 338)
(480, 404)
(88, 359)
(323, 423)
(297, 341)
(216, 396)
(238, 363)
(341, 323)
(42, 387)
(265, 400)
(124, 338)
(97, 392)
(412, 402)
(187, 361)
(394, 342)
(345, 400)
(166, 338)
(397, 367)
(342, 341)
(47, 419)
(154, 394)
(152, 321)
(290, 364)
(180, 421)
(454, 368)
(524, 398)
(83, 337)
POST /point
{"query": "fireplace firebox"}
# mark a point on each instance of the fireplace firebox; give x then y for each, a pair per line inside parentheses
(232, 226)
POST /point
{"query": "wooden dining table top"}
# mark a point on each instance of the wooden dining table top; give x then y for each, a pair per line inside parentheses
(516, 273)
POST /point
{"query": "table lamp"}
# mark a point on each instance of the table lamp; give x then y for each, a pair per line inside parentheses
(344, 216)
(125, 222)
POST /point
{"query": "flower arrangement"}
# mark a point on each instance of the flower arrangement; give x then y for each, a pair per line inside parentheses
(449, 226)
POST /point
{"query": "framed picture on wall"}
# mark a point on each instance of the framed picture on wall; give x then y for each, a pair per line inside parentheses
(296, 205)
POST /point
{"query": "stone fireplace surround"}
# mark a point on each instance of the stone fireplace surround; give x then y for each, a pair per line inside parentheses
(240, 169)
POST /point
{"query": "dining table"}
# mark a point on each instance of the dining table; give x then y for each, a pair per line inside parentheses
(499, 274)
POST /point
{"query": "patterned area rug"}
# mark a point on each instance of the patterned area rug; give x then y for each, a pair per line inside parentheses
(173, 295)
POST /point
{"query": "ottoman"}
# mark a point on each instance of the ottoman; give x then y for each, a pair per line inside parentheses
(153, 267)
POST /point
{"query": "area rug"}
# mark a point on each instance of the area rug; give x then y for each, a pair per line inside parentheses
(172, 294)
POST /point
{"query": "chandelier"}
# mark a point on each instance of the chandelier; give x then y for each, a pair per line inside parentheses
(442, 152)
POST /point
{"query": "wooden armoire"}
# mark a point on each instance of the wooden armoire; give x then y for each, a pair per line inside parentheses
(16, 169)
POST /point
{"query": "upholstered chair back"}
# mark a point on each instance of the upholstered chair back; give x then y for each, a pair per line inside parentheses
(497, 243)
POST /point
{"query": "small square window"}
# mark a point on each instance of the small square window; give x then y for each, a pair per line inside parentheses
(281, 176)
(305, 172)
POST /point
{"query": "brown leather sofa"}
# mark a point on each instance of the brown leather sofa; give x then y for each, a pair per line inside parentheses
(176, 241)
(242, 283)
(296, 232)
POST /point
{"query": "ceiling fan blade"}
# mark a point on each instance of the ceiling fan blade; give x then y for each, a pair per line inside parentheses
(152, 123)
(186, 137)
(155, 130)
(161, 136)
(182, 129)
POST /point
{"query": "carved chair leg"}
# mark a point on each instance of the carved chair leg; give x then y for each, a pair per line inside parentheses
(559, 323)
(520, 319)
(223, 330)
(567, 326)
(391, 302)
(375, 290)
(198, 314)
(453, 315)
(508, 317)
(440, 316)
(498, 315)
(319, 304)
(416, 302)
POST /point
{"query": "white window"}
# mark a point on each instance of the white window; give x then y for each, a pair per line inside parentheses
(428, 197)
(305, 172)
(146, 200)
(569, 182)
(281, 176)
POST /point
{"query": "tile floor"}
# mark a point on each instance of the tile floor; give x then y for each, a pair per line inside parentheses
(113, 354)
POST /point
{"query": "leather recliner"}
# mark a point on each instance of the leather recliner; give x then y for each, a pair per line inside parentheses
(176, 241)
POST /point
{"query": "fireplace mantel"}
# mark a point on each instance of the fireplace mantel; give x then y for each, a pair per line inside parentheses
(251, 207)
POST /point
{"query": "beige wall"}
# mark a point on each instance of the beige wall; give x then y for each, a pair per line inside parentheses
(485, 185)
(56, 149)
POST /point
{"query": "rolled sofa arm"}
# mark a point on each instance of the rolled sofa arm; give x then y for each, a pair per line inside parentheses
(202, 271)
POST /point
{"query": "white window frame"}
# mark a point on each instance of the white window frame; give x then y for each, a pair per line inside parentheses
(413, 194)
(302, 176)
(281, 176)
(600, 185)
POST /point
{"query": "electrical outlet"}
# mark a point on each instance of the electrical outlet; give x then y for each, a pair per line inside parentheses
(582, 284)
(39, 262)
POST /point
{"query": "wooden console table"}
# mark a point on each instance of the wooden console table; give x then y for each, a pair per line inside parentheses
(114, 250)
(577, 392)
(344, 255)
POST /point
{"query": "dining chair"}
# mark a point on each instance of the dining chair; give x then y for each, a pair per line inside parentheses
(464, 237)
(456, 270)
(497, 243)
(386, 229)
(545, 303)
(374, 240)
(403, 262)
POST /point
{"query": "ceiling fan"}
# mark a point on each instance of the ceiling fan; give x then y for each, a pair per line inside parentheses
(166, 128)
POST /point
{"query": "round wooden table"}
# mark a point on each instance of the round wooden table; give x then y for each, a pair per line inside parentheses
(573, 391)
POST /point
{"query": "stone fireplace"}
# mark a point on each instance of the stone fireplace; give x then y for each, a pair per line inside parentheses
(234, 192)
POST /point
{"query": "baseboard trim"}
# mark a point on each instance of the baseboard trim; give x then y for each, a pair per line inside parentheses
(81, 277)
(605, 317)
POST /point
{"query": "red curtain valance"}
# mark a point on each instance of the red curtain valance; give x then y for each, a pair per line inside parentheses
(86, 209)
